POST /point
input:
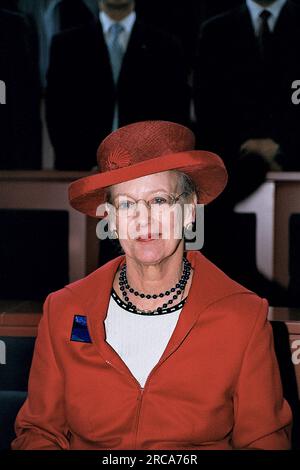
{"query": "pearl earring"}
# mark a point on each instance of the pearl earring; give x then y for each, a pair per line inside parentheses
(114, 234)
(189, 226)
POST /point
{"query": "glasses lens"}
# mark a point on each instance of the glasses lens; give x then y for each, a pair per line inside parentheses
(124, 204)
(161, 200)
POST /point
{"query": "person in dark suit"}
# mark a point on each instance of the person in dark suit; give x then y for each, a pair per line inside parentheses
(50, 17)
(20, 125)
(244, 73)
(182, 19)
(98, 82)
(246, 64)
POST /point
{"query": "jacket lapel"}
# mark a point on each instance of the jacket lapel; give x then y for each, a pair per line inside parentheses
(285, 20)
(98, 50)
(208, 285)
(245, 32)
(135, 46)
(98, 303)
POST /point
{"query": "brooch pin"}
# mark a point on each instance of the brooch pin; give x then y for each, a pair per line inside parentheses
(80, 330)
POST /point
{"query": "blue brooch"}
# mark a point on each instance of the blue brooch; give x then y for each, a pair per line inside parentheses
(80, 330)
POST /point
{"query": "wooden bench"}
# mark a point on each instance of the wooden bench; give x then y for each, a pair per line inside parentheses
(48, 190)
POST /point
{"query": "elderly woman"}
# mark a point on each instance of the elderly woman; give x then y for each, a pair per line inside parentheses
(157, 348)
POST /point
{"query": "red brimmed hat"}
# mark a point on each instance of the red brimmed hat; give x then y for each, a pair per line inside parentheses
(144, 148)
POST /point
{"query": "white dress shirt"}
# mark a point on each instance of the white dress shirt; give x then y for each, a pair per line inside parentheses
(127, 24)
(255, 10)
(139, 340)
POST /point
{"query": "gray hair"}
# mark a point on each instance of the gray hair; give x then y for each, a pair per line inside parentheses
(186, 185)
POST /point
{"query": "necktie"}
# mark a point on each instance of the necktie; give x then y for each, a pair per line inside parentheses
(264, 35)
(115, 50)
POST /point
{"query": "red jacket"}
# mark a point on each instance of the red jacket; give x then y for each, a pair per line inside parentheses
(216, 386)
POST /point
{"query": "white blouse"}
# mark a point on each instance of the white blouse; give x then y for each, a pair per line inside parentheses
(139, 340)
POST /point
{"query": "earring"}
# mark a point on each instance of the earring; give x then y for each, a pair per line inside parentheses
(189, 226)
(114, 234)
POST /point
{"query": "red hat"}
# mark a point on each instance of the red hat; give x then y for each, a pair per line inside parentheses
(144, 148)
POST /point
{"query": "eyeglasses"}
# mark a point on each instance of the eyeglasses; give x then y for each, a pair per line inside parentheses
(161, 202)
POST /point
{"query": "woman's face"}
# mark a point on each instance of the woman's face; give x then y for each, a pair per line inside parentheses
(162, 222)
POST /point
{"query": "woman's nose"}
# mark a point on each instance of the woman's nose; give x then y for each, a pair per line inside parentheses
(145, 203)
(142, 210)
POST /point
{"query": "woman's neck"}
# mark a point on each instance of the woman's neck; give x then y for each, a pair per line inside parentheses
(154, 279)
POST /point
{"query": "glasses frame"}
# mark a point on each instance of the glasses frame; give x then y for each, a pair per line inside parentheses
(174, 201)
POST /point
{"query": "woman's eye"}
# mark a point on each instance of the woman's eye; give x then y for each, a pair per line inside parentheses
(159, 200)
(125, 204)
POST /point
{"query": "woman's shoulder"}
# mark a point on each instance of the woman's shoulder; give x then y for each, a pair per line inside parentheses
(77, 295)
(103, 273)
(216, 281)
(224, 294)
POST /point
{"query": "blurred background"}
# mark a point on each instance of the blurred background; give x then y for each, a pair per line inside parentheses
(226, 69)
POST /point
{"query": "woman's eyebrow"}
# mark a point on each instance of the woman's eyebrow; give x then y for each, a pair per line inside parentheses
(151, 192)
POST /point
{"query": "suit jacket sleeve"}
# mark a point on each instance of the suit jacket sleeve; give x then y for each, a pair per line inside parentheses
(57, 99)
(262, 416)
(40, 423)
(207, 91)
(179, 93)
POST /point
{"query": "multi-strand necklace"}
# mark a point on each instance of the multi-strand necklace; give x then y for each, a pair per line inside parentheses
(176, 290)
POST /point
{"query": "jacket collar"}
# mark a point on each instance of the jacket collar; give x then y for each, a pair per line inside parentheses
(209, 284)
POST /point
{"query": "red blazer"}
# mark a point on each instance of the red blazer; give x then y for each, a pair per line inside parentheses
(216, 386)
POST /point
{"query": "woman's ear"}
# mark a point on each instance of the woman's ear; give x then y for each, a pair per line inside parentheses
(195, 201)
(111, 216)
(103, 210)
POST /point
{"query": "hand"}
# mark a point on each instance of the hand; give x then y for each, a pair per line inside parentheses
(267, 148)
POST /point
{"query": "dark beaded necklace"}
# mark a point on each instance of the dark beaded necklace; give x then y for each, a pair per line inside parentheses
(179, 288)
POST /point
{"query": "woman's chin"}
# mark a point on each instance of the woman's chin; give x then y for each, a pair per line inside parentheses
(149, 251)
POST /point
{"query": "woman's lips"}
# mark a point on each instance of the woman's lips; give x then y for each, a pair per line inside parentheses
(149, 238)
